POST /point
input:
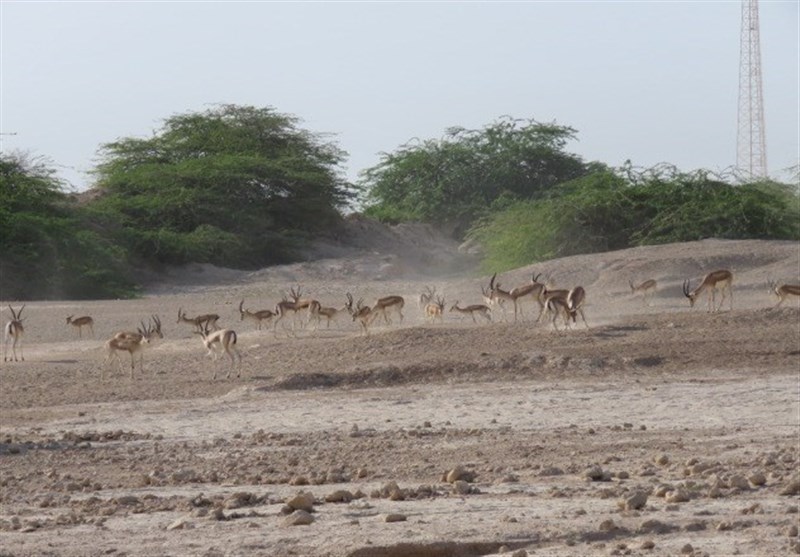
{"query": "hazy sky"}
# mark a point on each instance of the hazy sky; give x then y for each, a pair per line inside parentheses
(646, 81)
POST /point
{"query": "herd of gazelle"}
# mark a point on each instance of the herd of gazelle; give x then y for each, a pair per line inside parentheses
(567, 304)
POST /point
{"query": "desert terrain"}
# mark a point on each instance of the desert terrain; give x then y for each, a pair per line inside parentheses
(659, 429)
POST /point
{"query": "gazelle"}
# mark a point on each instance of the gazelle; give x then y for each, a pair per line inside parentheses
(546, 294)
(389, 304)
(317, 311)
(784, 291)
(647, 287)
(426, 297)
(287, 306)
(199, 322)
(534, 289)
(361, 313)
(14, 331)
(132, 343)
(492, 302)
(480, 309)
(222, 340)
(558, 305)
(80, 323)
(722, 280)
(435, 310)
(575, 301)
(257, 316)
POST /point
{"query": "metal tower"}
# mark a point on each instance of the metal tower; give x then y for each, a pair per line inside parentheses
(751, 142)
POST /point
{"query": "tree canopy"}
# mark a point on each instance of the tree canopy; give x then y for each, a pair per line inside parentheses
(234, 185)
(454, 180)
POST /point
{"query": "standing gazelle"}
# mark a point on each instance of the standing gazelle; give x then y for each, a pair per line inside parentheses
(722, 280)
(81, 322)
(435, 310)
(132, 343)
(646, 288)
(14, 331)
(575, 301)
(784, 291)
(257, 316)
(222, 340)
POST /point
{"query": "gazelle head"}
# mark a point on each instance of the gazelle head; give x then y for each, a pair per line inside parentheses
(15, 315)
(773, 287)
(69, 318)
(535, 278)
(692, 295)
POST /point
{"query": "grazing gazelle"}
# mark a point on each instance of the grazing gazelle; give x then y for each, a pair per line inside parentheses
(199, 322)
(257, 316)
(722, 280)
(575, 301)
(316, 312)
(14, 331)
(222, 340)
(784, 291)
(81, 322)
(480, 309)
(132, 343)
(389, 304)
(558, 305)
(646, 288)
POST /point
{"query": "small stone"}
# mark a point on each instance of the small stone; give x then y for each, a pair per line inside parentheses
(460, 487)
(687, 549)
(634, 502)
(339, 496)
(757, 479)
(662, 460)
(791, 531)
(676, 496)
(299, 518)
(648, 544)
(302, 501)
(607, 525)
(395, 517)
(179, 524)
(792, 488)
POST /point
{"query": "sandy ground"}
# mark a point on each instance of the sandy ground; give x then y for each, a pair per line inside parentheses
(658, 430)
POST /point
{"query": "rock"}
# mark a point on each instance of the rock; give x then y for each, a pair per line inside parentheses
(607, 525)
(460, 487)
(661, 460)
(757, 479)
(791, 488)
(303, 501)
(648, 544)
(677, 496)
(634, 502)
(179, 524)
(459, 473)
(791, 531)
(739, 482)
(339, 496)
(687, 549)
(596, 474)
(395, 517)
(299, 518)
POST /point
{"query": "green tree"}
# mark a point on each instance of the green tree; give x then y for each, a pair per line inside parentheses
(234, 185)
(47, 249)
(454, 180)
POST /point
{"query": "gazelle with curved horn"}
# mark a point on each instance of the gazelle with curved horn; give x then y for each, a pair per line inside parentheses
(199, 322)
(426, 297)
(480, 309)
(534, 289)
(647, 287)
(316, 311)
(222, 340)
(81, 322)
(256, 316)
(361, 313)
(14, 331)
(435, 310)
(133, 343)
(783, 291)
(721, 280)
(558, 305)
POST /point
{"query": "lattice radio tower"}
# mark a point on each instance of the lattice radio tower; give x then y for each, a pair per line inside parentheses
(751, 142)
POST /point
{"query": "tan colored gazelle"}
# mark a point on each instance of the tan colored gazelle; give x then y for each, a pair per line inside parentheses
(293, 306)
(481, 309)
(547, 294)
(199, 322)
(434, 311)
(783, 291)
(256, 316)
(81, 322)
(534, 289)
(222, 340)
(389, 304)
(558, 305)
(721, 280)
(14, 331)
(575, 301)
(426, 297)
(316, 311)
(647, 287)
(361, 313)
(133, 343)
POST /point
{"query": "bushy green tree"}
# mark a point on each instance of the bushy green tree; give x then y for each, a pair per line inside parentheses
(457, 179)
(609, 210)
(47, 249)
(234, 185)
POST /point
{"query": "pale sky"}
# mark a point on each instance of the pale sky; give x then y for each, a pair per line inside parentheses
(647, 81)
